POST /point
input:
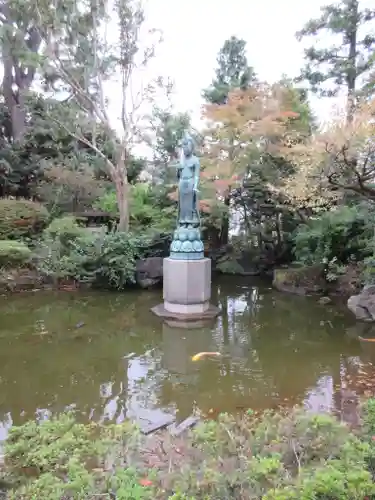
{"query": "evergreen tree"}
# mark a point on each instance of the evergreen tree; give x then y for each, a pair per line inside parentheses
(233, 71)
(347, 62)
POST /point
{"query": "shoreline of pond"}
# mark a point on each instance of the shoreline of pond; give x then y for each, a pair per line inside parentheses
(292, 280)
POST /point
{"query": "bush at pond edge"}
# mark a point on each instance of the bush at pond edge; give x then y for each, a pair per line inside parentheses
(70, 252)
(273, 457)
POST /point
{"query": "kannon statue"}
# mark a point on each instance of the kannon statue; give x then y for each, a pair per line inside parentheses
(187, 242)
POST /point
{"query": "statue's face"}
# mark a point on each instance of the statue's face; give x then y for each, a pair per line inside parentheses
(187, 147)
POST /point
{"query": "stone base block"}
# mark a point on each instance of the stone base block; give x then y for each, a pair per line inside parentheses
(187, 325)
(186, 283)
(185, 318)
(186, 291)
(186, 308)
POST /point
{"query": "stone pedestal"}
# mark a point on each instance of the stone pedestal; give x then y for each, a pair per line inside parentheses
(186, 290)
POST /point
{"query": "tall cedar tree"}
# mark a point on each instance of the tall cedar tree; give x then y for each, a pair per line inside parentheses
(347, 62)
(233, 71)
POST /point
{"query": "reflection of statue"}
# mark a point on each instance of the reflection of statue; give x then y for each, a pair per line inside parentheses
(187, 242)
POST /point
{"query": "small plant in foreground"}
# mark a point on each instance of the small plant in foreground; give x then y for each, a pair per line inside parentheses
(61, 458)
(273, 456)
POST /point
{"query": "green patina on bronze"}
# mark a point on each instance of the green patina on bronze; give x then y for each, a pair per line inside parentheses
(187, 243)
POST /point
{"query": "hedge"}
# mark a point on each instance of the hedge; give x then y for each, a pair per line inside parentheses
(21, 218)
(14, 253)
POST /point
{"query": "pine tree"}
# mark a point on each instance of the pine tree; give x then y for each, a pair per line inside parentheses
(345, 63)
(233, 71)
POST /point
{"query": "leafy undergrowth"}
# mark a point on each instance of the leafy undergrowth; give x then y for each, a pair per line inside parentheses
(273, 457)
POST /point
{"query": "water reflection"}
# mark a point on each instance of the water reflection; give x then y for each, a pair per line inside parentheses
(125, 363)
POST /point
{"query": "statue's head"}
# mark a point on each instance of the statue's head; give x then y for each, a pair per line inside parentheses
(187, 145)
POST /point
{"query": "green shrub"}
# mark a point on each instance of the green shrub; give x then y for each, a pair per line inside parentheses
(145, 212)
(56, 453)
(276, 457)
(53, 254)
(368, 267)
(229, 265)
(107, 203)
(368, 272)
(105, 260)
(336, 237)
(368, 427)
(143, 208)
(65, 230)
(293, 456)
(21, 218)
(14, 254)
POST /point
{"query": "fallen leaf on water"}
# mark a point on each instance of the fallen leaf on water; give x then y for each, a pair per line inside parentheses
(145, 482)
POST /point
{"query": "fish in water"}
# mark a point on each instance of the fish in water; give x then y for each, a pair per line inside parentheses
(201, 355)
(366, 340)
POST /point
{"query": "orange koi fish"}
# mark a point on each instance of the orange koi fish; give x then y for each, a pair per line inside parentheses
(201, 355)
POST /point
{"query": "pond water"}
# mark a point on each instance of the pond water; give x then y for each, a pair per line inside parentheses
(108, 357)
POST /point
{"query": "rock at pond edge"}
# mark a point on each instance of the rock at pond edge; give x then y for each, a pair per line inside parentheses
(363, 304)
(149, 272)
(299, 280)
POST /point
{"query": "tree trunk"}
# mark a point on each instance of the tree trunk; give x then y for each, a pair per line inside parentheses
(14, 99)
(18, 76)
(122, 191)
(224, 235)
(122, 203)
(352, 59)
(19, 117)
(246, 218)
(278, 230)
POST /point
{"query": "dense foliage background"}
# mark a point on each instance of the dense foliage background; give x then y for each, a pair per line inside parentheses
(274, 187)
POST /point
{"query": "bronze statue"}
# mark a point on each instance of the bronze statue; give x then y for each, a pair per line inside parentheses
(188, 182)
(187, 244)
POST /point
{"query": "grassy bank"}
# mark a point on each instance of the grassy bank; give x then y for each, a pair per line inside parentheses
(274, 457)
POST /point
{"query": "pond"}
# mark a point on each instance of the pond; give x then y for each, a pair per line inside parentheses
(108, 357)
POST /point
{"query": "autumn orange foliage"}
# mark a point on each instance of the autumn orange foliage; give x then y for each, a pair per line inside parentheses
(251, 123)
(338, 158)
